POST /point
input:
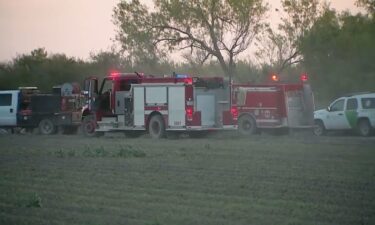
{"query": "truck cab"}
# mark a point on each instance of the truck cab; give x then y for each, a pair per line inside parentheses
(9, 107)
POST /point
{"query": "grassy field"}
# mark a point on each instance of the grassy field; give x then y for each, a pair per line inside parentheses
(219, 180)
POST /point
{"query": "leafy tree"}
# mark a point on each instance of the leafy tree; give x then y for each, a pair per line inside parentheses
(105, 61)
(6, 80)
(219, 29)
(369, 5)
(339, 53)
(41, 70)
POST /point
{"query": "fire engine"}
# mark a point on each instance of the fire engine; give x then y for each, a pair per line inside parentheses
(134, 103)
(274, 105)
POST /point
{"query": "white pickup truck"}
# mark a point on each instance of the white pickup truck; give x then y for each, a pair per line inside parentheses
(27, 108)
(351, 112)
(9, 108)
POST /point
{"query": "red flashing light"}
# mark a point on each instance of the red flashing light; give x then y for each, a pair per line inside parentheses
(189, 113)
(304, 77)
(114, 73)
(234, 112)
(275, 77)
(188, 80)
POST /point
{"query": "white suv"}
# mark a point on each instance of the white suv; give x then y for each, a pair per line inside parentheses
(352, 112)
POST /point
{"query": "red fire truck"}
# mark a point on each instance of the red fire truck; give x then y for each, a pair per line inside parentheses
(134, 103)
(274, 105)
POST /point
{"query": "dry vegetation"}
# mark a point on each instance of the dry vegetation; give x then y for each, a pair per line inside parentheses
(114, 180)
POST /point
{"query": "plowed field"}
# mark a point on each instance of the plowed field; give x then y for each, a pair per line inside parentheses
(218, 180)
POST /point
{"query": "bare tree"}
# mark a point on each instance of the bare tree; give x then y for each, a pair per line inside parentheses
(281, 47)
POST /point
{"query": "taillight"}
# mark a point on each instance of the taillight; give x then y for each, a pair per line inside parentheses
(189, 113)
(234, 112)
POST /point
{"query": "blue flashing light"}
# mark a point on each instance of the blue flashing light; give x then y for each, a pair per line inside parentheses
(182, 76)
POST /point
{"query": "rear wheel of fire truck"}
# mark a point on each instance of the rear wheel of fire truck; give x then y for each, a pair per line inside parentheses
(247, 125)
(156, 127)
(47, 127)
(88, 126)
(319, 128)
(364, 128)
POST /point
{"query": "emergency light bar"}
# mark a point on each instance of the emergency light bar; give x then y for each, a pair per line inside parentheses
(182, 76)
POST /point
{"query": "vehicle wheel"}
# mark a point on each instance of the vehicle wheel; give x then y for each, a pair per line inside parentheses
(47, 127)
(319, 129)
(247, 126)
(88, 126)
(364, 128)
(156, 127)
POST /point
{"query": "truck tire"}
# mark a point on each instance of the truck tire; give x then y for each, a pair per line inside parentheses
(364, 128)
(319, 128)
(156, 127)
(88, 126)
(46, 127)
(247, 125)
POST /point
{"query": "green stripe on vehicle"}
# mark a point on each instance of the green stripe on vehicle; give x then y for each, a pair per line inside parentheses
(352, 116)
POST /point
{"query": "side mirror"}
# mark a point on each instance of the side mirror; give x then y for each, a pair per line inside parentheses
(329, 108)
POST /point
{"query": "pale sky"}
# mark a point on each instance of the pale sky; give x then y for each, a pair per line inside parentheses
(73, 27)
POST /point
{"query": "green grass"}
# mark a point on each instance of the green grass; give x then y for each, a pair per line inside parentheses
(260, 180)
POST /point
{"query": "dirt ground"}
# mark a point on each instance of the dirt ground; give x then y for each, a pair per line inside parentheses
(221, 179)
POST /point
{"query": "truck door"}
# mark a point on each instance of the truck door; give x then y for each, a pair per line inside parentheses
(351, 112)
(91, 91)
(309, 105)
(8, 108)
(206, 105)
(176, 106)
(295, 108)
(139, 106)
(336, 119)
